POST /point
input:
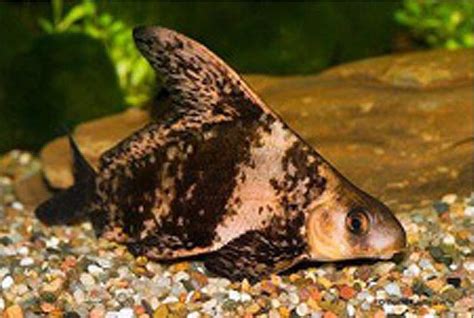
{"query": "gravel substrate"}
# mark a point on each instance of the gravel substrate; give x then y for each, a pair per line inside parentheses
(66, 271)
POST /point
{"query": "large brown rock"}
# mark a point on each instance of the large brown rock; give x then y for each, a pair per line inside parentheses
(401, 127)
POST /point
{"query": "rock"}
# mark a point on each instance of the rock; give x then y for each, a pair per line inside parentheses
(398, 126)
(31, 190)
(93, 138)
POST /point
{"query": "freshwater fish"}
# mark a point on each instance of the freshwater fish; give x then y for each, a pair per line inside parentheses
(221, 175)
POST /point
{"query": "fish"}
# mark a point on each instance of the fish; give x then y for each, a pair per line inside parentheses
(219, 176)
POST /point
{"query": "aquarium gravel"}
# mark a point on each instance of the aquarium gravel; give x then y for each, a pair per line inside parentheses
(66, 272)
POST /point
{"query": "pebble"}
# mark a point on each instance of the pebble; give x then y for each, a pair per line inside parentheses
(394, 309)
(469, 211)
(449, 240)
(126, 313)
(180, 276)
(7, 282)
(14, 311)
(193, 314)
(393, 289)
(347, 292)
(26, 262)
(95, 270)
(234, 295)
(294, 298)
(350, 310)
(449, 198)
(469, 266)
(302, 309)
(79, 296)
(87, 280)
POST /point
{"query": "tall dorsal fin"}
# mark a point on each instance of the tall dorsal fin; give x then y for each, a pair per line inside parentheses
(197, 80)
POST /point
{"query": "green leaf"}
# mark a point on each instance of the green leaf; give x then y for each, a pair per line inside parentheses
(46, 25)
(76, 14)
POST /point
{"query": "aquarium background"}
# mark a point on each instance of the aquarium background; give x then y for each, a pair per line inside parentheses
(64, 62)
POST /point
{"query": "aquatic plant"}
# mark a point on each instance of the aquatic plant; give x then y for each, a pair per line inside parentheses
(439, 23)
(135, 75)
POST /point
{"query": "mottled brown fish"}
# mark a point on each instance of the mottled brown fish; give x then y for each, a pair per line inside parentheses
(220, 174)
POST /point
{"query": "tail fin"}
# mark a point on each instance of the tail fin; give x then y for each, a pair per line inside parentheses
(69, 206)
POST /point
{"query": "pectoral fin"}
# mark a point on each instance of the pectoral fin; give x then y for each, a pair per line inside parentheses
(254, 255)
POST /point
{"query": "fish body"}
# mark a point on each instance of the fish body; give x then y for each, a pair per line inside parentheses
(219, 173)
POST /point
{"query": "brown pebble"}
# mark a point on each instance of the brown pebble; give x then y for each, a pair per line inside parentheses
(329, 314)
(14, 311)
(347, 292)
(379, 314)
(268, 287)
(97, 313)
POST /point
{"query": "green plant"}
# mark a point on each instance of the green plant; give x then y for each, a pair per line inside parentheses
(135, 76)
(439, 23)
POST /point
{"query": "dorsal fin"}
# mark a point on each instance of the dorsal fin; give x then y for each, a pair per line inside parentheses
(196, 79)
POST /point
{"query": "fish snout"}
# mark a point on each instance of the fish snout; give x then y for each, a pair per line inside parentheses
(391, 238)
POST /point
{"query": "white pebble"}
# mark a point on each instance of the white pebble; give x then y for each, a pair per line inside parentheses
(245, 297)
(17, 206)
(94, 269)
(449, 198)
(275, 303)
(154, 303)
(234, 295)
(294, 299)
(104, 263)
(273, 313)
(302, 309)
(193, 314)
(112, 314)
(23, 250)
(426, 264)
(469, 266)
(123, 271)
(412, 271)
(449, 240)
(27, 261)
(394, 309)
(380, 294)
(7, 282)
(87, 279)
(350, 310)
(180, 276)
(209, 305)
(393, 289)
(125, 313)
(79, 296)
(52, 242)
(170, 299)
(469, 211)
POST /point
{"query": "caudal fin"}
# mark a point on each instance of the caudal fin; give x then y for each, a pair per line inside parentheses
(69, 206)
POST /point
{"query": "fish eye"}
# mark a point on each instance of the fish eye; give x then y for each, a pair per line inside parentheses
(357, 221)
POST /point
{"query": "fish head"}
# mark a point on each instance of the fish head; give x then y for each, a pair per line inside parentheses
(346, 223)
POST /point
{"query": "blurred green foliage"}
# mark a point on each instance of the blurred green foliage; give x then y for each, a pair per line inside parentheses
(439, 23)
(135, 75)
